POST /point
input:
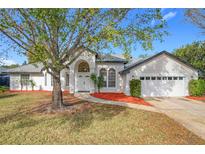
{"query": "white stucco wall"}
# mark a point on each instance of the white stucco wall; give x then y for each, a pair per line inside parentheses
(162, 65)
(47, 86)
(14, 82)
(39, 83)
(94, 67)
(90, 59)
(39, 80)
(63, 79)
(119, 82)
(36, 77)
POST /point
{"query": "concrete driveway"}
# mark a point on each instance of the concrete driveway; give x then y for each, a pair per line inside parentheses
(190, 113)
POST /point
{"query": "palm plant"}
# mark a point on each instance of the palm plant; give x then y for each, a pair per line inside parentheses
(97, 80)
(32, 84)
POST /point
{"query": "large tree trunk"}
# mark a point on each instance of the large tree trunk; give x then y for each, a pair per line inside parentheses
(57, 97)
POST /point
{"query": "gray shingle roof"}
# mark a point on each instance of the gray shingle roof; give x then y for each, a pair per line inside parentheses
(141, 61)
(2, 70)
(135, 61)
(37, 67)
(110, 58)
(29, 68)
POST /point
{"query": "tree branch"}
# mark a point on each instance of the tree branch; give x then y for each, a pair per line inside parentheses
(14, 40)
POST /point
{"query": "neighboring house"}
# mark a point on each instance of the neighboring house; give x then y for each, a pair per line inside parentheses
(162, 75)
(4, 77)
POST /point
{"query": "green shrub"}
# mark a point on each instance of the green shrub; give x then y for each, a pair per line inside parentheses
(97, 80)
(33, 84)
(135, 88)
(3, 89)
(197, 87)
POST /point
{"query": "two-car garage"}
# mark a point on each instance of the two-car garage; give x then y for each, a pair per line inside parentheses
(161, 75)
(162, 86)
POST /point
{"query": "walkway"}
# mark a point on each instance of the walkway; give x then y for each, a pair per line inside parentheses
(87, 97)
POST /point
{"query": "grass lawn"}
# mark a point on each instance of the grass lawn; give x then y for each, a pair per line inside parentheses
(23, 121)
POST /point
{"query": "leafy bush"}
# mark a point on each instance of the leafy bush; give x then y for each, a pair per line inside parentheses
(3, 89)
(135, 88)
(97, 80)
(197, 87)
(33, 84)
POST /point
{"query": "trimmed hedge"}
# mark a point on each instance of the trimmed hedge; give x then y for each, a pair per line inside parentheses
(197, 87)
(135, 88)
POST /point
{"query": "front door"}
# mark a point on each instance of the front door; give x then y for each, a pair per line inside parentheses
(83, 82)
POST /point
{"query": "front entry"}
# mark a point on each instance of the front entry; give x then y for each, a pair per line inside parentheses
(83, 77)
(83, 82)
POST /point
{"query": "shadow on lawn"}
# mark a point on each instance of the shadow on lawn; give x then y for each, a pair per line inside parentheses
(27, 122)
(80, 115)
(7, 95)
(10, 117)
(98, 112)
(22, 118)
(80, 119)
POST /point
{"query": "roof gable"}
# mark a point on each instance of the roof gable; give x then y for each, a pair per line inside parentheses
(143, 61)
(29, 68)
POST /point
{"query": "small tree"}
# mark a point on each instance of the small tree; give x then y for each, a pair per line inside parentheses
(24, 83)
(97, 80)
(33, 84)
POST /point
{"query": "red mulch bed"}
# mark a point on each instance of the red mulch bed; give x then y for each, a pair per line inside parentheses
(121, 97)
(198, 98)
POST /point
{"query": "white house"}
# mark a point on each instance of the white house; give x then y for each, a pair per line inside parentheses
(162, 75)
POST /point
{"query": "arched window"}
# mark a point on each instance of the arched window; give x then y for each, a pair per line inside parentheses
(103, 73)
(83, 67)
(111, 77)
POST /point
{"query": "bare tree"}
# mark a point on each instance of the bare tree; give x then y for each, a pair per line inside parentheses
(197, 17)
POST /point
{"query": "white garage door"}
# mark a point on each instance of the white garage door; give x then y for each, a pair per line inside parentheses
(162, 86)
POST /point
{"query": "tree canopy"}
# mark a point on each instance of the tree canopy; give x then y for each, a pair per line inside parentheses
(10, 66)
(193, 53)
(56, 37)
(55, 34)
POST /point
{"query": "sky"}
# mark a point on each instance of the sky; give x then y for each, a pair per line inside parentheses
(181, 32)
